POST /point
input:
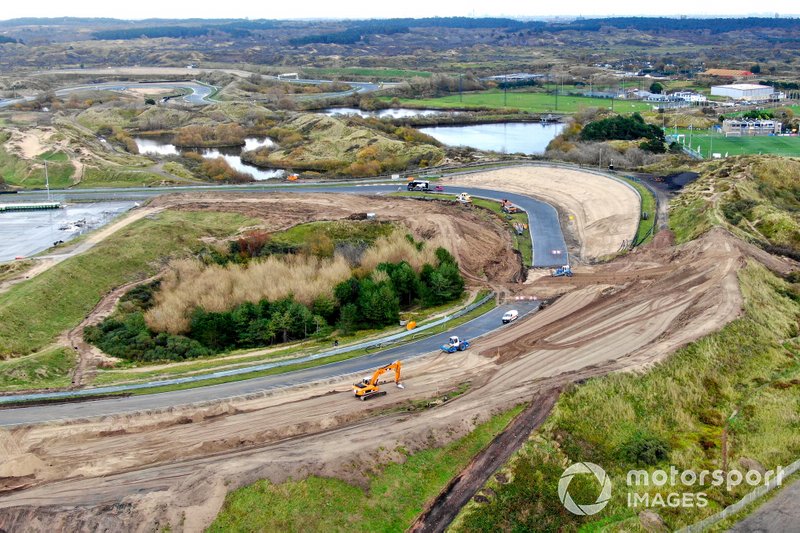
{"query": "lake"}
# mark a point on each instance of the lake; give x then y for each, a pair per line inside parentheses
(509, 138)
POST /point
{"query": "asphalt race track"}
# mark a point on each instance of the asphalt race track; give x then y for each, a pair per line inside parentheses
(486, 323)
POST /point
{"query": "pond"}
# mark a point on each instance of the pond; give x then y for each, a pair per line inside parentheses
(516, 137)
(161, 146)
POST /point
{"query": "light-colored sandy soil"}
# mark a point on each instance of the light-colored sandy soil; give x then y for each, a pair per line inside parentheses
(600, 211)
(142, 471)
(148, 91)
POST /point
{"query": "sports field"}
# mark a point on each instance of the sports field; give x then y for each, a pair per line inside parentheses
(526, 101)
(709, 143)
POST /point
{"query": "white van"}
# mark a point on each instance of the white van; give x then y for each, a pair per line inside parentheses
(510, 316)
(419, 185)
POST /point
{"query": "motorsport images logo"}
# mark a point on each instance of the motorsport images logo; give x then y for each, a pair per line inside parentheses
(602, 479)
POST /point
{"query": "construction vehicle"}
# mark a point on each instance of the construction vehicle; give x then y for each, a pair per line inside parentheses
(508, 207)
(464, 198)
(454, 344)
(562, 271)
(368, 387)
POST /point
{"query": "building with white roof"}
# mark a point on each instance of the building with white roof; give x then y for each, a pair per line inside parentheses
(744, 91)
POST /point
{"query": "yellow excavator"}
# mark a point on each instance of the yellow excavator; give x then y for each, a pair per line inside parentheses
(368, 387)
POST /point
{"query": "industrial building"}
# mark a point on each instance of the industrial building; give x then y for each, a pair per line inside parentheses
(744, 91)
(745, 128)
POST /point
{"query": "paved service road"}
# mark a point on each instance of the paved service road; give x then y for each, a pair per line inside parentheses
(780, 514)
(364, 364)
(198, 96)
(544, 226)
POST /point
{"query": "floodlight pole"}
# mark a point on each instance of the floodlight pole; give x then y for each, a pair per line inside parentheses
(47, 180)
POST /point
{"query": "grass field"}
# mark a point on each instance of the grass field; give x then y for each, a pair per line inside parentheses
(717, 143)
(524, 101)
(395, 496)
(34, 312)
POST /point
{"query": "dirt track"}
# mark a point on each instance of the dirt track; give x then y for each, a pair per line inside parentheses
(623, 315)
(604, 212)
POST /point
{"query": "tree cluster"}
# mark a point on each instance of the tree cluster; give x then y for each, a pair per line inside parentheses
(368, 302)
(626, 129)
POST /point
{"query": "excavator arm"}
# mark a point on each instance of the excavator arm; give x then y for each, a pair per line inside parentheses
(382, 370)
(369, 388)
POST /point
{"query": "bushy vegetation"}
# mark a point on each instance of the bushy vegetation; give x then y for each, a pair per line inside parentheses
(619, 127)
(756, 197)
(745, 379)
(235, 29)
(198, 309)
(758, 114)
(207, 136)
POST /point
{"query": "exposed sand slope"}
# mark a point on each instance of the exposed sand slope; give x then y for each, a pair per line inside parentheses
(621, 316)
(606, 212)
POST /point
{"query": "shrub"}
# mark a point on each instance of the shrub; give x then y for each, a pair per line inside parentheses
(621, 128)
(644, 449)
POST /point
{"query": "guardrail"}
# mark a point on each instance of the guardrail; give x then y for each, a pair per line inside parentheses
(741, 504)
(375, 343)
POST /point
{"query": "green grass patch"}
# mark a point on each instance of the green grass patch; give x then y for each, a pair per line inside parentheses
(34, 312)
(57, 156)
(709, 143)
(337, 231)
(674, 414)
(396, 495)
(645, 232)
(47, 369)
(531, 102)
(22, 173)
(105, 177)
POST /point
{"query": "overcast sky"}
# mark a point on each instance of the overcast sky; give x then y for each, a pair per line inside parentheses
(304, 9)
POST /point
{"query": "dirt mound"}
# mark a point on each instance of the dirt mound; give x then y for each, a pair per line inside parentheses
(663, 239)
(602, 212)
(480, 243)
